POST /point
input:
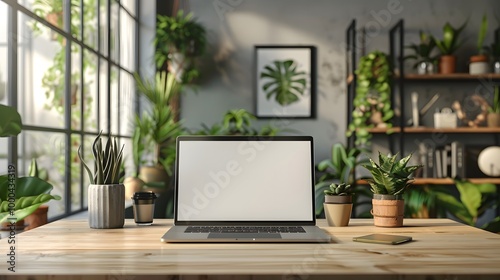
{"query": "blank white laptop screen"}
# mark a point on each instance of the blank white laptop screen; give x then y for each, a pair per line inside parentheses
(245, 181)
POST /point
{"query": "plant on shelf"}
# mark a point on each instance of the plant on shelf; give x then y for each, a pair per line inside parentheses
(479, 63)
(339, 169)
(21, 199)
(448, 46)
(338, 204)
(179, 41)
(425, 61)
(372, 103)
(493, 117)
(390, 179)
(283, 81)
(106, 195)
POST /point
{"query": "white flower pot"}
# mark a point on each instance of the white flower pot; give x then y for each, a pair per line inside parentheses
(106, 205)
(479, 68)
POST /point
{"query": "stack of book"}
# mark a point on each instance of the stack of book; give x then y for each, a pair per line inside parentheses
(444, 161)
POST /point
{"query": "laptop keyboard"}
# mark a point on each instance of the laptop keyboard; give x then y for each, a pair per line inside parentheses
(243, 229)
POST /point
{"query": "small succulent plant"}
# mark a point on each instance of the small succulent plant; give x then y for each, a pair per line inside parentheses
(389, 175)
(108, 161)
(339, 189)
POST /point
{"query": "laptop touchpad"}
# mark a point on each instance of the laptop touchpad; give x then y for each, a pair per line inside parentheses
(244, 235)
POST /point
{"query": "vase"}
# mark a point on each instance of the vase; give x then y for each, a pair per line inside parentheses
(388, 210)
(447, 64)
(106, 206)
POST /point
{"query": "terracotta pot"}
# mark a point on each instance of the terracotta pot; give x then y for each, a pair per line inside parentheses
(447, 64)
(338, 214)
(387, 211)
(493, 119)
(37, 218)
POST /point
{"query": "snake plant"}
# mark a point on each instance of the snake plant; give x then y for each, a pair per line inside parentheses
(390, 176)
(450, 43)
(108, 161)
(285, 82)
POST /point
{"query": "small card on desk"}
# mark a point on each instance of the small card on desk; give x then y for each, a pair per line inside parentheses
(383, 239)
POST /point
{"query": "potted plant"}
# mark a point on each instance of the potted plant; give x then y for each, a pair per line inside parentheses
(390, 179)
(493, 118)
(179, 40)
(30, 192)
(106, 195)
(448, 46)
(338, 204)
(156, 130)
(339, 169)
(479, 63)
(424, 60)
(372, 103)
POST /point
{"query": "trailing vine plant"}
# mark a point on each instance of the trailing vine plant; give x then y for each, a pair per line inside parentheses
(372, 103)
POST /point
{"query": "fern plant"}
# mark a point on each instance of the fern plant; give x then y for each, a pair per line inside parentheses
(390, 176)
(108, 160)
(286, 83)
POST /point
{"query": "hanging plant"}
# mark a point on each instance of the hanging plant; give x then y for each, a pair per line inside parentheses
(372, 103)
(286, 83)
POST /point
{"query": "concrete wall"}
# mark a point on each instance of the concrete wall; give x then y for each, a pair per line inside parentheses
(235, 26)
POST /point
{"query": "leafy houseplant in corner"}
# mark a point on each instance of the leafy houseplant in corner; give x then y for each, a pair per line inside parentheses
(479, 63)
(29, 192)
(106, 195)
(179, 41)
(390, 179)
(493, 118)
(338, 204)
(448, 46)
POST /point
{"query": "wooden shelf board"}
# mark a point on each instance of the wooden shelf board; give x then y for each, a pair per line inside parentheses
(454, 76)
(436, 130)
(445, 181)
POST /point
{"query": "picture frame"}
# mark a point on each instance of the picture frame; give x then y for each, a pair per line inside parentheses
(285, 81)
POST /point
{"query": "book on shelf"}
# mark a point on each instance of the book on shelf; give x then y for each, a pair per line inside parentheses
(457, 160)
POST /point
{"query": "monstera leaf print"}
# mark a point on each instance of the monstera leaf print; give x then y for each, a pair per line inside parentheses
(284, 82)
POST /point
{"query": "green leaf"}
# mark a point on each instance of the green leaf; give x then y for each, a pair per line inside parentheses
(11, 123)
(470, 196)
(286, 84)
(28, 209)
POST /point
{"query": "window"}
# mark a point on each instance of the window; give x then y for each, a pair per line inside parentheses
(73, 80)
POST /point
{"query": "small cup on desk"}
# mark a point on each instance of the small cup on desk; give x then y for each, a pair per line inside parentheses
(144, 207)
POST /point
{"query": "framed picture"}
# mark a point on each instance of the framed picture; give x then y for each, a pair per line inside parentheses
(285, 81)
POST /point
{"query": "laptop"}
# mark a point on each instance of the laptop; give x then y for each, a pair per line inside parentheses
(244, 189)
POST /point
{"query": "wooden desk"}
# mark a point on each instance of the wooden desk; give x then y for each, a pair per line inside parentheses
(69, 247)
